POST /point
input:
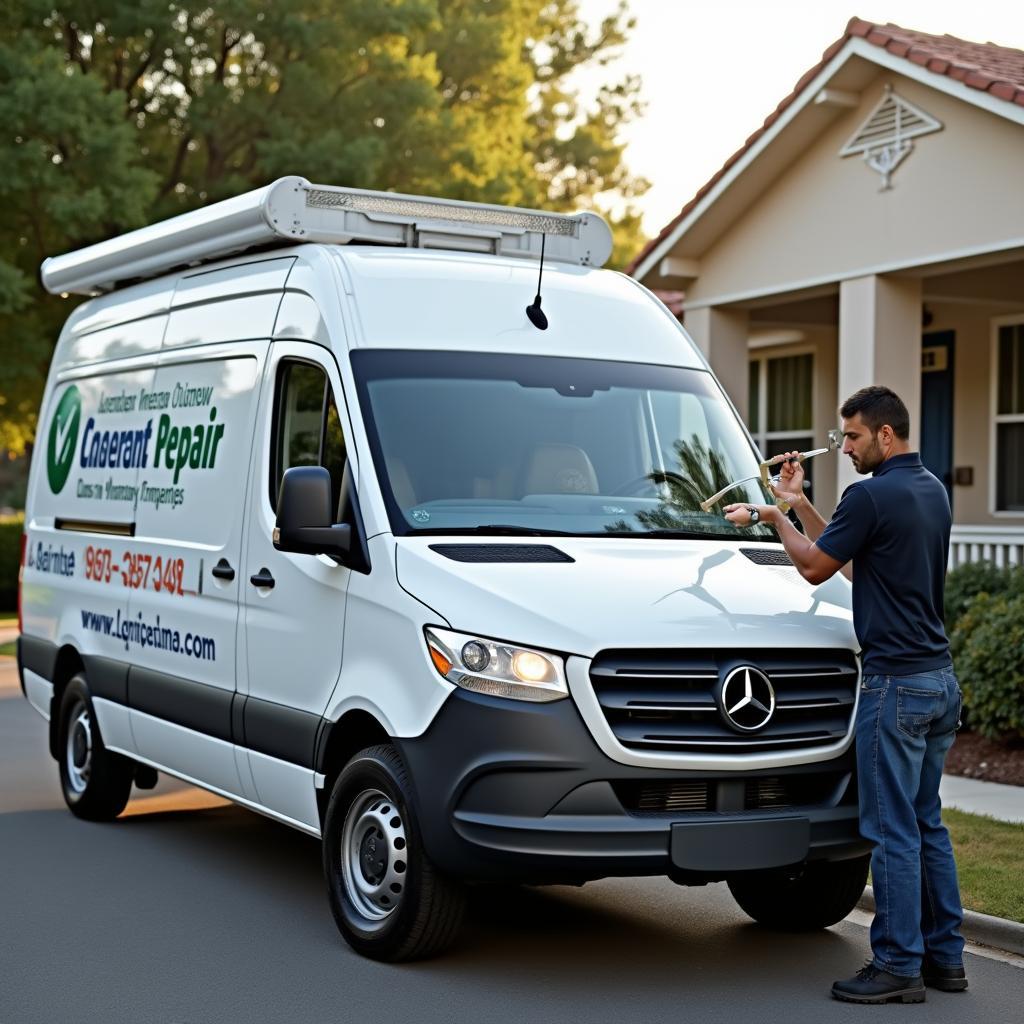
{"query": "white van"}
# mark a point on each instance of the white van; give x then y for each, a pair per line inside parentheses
(322, 520)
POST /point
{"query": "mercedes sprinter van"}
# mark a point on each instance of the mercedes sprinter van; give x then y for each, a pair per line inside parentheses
(349, 507)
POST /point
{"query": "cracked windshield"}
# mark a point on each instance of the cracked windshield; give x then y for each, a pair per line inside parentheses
(499, 444)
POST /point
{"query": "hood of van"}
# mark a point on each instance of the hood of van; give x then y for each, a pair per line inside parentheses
(625, 593)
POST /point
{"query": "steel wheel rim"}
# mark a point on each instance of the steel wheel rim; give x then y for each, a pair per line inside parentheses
(373, 855)
(78, 754)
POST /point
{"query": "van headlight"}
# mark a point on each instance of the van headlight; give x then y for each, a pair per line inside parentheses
(496, 668)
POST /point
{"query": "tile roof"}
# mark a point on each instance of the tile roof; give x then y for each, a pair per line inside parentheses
(988, 67)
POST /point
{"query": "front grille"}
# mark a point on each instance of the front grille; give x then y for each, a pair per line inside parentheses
(668, 699)
(792, 790)
(758, 794)
(666, 796)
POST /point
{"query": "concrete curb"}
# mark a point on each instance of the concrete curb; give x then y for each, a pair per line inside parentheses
(982, 929)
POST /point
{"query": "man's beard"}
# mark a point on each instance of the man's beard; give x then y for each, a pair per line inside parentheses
(871, 459)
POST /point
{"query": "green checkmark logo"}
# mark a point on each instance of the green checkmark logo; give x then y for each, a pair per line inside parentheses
(60, 450)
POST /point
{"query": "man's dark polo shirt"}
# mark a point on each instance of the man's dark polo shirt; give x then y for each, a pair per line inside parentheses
(894, 526)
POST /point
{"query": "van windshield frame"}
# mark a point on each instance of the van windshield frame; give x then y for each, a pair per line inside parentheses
(484, 443)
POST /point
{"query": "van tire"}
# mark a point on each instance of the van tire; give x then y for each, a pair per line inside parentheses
(818, 895)
(360, 822)
(95, 782)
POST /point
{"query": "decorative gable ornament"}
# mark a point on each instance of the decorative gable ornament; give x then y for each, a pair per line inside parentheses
(885, 138)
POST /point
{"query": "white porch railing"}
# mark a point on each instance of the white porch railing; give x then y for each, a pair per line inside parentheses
(1003, 545)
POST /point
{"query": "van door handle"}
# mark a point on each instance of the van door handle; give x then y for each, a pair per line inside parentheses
(263, 579)
(223, 571)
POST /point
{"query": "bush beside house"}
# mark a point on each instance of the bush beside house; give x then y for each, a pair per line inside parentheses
(965, 582)
(985, 621)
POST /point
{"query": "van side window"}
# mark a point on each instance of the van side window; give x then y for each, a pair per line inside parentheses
(307, 431)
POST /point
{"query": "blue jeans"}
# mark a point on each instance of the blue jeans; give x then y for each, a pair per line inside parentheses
(905, 727)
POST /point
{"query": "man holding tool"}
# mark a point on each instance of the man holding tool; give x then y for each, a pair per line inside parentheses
(893, 529)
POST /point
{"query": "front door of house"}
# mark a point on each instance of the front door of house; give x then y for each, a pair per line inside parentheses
(937, 406)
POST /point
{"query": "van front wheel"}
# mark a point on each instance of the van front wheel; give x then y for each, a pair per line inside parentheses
(389, 902)
(815, 896)
(96, 783)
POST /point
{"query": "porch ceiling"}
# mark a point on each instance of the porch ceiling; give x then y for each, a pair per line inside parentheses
(992, 284)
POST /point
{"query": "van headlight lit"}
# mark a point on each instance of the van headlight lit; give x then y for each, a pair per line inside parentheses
(499, 669)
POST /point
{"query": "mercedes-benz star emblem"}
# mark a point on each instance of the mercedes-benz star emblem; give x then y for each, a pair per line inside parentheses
(747, 699)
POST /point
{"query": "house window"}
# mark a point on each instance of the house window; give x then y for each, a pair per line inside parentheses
(1009, 418)
(781, 404)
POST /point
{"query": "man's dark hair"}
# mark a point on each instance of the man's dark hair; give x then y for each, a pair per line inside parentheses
(877, 406)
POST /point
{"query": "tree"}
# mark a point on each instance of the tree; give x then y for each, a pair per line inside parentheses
(118, 114)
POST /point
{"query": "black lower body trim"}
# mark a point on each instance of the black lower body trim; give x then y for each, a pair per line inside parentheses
(205, 709)
(287, 734)
(21, 667)
(37, 655)
(261, 725)
(520, 792)
(282, 732)
(108, 678)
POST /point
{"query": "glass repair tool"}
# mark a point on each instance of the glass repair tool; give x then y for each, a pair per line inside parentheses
(835, 440)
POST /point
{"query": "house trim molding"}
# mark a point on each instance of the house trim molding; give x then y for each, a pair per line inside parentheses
(783, 287)
(854, 47)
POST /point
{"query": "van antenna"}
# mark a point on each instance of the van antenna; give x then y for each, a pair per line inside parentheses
(534, 312)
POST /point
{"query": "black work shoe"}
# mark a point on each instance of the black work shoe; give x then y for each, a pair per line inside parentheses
(872, 985)
(945, 979)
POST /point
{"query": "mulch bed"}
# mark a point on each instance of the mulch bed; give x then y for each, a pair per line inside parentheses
(978, 758)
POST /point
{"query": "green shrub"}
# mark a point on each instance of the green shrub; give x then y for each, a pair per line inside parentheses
(988, 651)
(966, 581)
(10, 560)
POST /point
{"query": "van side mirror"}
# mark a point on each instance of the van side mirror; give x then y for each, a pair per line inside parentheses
(304, 515)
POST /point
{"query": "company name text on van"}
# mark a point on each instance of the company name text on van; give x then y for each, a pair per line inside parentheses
(188, 445)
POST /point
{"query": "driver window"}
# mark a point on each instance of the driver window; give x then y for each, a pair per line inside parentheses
(307, 431)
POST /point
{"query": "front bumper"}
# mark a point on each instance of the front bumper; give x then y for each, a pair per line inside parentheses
(509, 791)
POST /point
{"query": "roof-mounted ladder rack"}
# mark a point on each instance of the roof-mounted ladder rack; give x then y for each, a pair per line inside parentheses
(292, 210)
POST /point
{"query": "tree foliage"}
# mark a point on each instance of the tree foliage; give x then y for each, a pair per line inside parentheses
(116, 114)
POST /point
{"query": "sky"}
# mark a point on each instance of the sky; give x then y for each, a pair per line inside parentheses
(713, 70)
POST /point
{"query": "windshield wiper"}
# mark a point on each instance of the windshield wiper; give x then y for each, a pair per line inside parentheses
(498, 530)
(672, 534)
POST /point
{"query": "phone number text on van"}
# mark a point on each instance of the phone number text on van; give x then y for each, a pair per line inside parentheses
(136, 571)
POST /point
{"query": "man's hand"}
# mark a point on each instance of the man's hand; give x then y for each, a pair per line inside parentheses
(739, 513)
(791, 482)
(811, 562)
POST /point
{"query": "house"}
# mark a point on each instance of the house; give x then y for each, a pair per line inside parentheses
(872, 231)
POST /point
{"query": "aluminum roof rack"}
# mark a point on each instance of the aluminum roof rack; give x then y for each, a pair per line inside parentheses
(292, 210)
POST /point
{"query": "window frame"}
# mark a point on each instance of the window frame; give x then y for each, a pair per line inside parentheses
(995, 418)
(760, 435)
(281, 370)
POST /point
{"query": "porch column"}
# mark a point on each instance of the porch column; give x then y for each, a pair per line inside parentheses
(722, 335)
(880, 343)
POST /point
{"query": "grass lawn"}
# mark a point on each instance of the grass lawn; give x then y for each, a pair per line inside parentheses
(9, 650)
(990, 861)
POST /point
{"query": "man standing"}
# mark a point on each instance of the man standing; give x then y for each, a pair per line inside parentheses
(894, 529)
